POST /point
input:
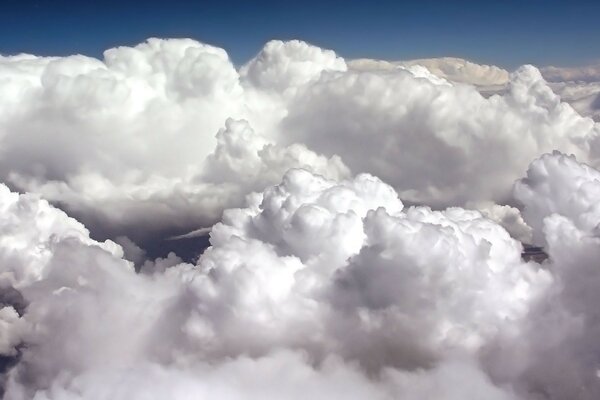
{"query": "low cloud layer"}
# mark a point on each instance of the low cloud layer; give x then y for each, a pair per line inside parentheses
(326, 288)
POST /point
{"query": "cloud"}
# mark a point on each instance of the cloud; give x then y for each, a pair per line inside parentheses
(283, 66)
(172, 129)
(450, 68)
(578, 86)
(330, 285)
(508, 217)
(438, 144)
(552, 358)
(319, 280)
(558, 184)
(117, 139)
(589, 73)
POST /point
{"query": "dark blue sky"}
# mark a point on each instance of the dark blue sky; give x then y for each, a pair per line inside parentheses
(507, 33)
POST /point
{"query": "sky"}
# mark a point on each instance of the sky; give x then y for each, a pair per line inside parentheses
(505, 33)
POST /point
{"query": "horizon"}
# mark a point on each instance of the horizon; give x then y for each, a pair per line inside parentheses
(506, 34)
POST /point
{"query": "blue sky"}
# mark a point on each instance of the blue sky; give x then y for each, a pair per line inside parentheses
(507, 33)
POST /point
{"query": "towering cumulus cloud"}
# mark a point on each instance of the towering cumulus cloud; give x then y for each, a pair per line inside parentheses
(116, 140)
(145, 131)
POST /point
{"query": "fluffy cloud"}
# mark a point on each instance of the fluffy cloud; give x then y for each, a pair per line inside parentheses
(328, 286)
(577, 86)
(558, 184)
(508, 217)
(438, 144)
(313, 284)
(322, 286)
(555, 358)
(118, 139)
(158, 129)
(450, 68)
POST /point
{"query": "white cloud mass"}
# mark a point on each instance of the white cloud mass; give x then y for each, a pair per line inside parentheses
(321, 281)
(317, 287)
(151, 129)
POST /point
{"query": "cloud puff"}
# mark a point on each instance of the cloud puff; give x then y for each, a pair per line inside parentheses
(282, 66)
(558, 184)
(330, 285)
(553, 357)
(117, 139)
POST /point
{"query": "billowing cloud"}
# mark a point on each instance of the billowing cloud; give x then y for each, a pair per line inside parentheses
(577, 86)
(438, 143)
(331, 287)
(326, 278)
(172, 129)
(555, 356)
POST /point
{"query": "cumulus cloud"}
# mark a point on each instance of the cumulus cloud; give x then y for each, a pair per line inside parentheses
(583, 96)
(334, 280)
(329, 285)
(555, 356)
(577, 86)
(433, 142)
(319, 280)
(118, 139)
(172, 129)
(508, 217)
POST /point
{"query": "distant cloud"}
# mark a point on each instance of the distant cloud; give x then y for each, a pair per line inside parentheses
(451, 68)
(589, 73)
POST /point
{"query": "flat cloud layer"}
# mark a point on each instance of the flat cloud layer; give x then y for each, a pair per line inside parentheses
(172, 129)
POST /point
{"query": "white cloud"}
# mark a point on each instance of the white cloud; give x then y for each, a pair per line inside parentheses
(336, 271)
(435, 143)
(554, 357)
(322, 286)
(332, 286)
(131, 135)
